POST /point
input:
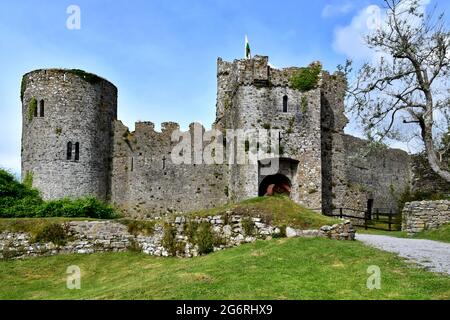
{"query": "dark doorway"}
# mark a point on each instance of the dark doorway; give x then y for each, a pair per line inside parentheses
(275, 184)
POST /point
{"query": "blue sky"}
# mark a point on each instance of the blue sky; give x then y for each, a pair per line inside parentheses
(162, 54)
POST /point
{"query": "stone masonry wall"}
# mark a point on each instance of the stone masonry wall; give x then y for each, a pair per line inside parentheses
(101, 236)
(250, 96)
(75, 110)
(145, 181)
(425, 215)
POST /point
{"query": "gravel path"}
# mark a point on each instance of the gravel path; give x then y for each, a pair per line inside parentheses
(433, 255)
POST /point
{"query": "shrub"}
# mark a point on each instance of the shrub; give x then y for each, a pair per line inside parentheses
(306, 79)
(137, 227)
(54, 232)
(248, 226)
(190, 230)
(168, 240)
(219, 240)
(19, 200)
(204, 238)
(88, 207)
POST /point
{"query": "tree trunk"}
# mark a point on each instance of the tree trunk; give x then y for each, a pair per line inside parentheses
(427, 136)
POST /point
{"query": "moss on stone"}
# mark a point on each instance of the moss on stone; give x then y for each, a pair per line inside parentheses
(32, 108)
(23, 87)
(304, 104)
(89, 77)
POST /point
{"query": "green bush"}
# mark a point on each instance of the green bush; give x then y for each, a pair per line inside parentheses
(204, 238)
(20, 200)
(88, 207)
(306, 79)
(53, 232)
(248, 226)
(190, 230)
(139, 227)
(168, 241)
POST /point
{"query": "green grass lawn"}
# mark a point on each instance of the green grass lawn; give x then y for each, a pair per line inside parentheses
(440, 234)
(276, 269)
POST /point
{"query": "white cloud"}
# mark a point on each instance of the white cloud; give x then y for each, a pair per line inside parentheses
(331, 10)
(350, 40)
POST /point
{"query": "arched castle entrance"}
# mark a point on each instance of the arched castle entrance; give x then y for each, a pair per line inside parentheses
(275, 184)
(280, 181)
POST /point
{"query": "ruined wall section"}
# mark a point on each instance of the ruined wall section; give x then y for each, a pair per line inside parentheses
(353, 170)
(381, 174)
(145, 181)
(250, 96)
(78, 107)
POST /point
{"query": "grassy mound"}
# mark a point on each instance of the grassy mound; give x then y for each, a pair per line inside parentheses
(20, 200)
(278, 269)
(276, 210)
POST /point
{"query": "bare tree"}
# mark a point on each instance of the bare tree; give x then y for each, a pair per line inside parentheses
(407, 90)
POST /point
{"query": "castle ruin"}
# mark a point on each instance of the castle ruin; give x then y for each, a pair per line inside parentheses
(74, 145)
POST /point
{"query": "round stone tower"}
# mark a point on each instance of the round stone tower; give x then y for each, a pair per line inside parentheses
(67, 132)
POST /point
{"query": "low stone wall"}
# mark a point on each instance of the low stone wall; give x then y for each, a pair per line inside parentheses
(101, 236)
(425, 215)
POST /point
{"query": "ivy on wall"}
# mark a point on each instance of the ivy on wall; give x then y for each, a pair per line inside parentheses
(32, 108)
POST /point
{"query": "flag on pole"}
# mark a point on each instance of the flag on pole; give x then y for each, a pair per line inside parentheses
(247, 49)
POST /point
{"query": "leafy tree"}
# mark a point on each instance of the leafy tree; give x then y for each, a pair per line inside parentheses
(407, 90)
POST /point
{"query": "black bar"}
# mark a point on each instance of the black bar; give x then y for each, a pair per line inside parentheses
(390, 220)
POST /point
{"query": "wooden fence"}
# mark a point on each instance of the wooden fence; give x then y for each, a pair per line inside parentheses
(378, 218)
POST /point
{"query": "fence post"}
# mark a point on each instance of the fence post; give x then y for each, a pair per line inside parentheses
(377, 212)
(390, 219)
(340, 213)
(365, 219)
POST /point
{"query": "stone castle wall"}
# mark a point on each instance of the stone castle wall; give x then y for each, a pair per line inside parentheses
(75, 110)
(102, 236)
(146, 182)
(425, 215)
(134, 170)
(381, 174)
